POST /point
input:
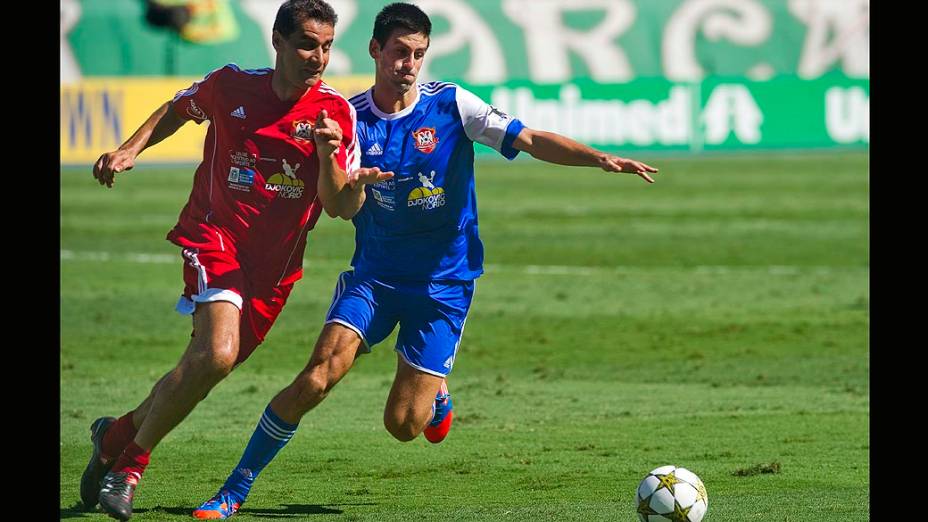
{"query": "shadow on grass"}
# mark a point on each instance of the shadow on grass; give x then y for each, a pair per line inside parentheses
(285, 511)
(291, 509)
(77, 510)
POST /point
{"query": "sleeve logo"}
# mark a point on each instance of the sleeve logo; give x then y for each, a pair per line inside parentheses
(194, 111)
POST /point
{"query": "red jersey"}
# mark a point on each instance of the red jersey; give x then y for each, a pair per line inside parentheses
(254, 194)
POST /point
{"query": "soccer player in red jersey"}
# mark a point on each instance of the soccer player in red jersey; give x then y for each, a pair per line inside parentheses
(265, 178)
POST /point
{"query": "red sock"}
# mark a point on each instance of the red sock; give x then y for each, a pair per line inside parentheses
(133, 459)
(118, 437)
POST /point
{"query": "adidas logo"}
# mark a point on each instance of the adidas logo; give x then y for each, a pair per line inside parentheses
(375, 150)
(239, 113)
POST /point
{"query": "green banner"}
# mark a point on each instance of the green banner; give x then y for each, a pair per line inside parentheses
(715, 114)
(675, 75)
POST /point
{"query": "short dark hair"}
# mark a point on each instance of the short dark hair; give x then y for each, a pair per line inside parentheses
(400, 15)
(294, 12)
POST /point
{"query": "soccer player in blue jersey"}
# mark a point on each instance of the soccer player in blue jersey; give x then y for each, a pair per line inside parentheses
(418, 250)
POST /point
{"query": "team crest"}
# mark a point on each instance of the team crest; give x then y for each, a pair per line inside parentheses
(426, 139)
(302, 130)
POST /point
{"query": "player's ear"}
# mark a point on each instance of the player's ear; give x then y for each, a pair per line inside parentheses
(373, 48)
(277, 40)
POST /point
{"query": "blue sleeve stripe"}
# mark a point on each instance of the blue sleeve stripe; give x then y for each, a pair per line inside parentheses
(358, 97)
(512, 131)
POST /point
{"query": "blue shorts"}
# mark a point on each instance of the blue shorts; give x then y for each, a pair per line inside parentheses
(431, 316)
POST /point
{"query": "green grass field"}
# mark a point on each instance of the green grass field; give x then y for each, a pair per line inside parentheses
(716, 320)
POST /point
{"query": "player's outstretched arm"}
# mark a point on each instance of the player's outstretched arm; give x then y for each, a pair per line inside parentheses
(342, 195)
(353, 195)
(161, 124)
(349, 200)
(554, 148)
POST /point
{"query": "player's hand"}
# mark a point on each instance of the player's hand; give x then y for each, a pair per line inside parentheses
(616, 164)
(367, 176)
(327, 134)
(111, 163)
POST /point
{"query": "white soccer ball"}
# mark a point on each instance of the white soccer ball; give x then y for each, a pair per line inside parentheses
(671, 493)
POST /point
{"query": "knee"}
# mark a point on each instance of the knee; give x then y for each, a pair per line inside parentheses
(212, 365)
(312, 386)
(404, 428)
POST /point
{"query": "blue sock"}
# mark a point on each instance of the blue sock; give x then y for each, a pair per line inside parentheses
(270, 436)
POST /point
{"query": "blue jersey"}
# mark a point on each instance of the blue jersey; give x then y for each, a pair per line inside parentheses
(421, 225)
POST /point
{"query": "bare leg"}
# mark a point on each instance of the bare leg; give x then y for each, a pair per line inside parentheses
(139, 413)
(409, 406)
(210, 356)
(332, 357)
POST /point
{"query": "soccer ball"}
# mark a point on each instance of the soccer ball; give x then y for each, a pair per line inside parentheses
(671, 493)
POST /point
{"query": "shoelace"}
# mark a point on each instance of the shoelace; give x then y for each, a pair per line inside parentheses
(120, 484)
(439, 406)
(223, 497)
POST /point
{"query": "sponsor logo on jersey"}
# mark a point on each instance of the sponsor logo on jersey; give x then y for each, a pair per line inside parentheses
(243, 159)
(286, 184)
(425, 139)
(241, 178)
(302, 130)
(375, 150)
(387, 184)
(238, 113)
(383, 194)
(428, 196)
(195, 111)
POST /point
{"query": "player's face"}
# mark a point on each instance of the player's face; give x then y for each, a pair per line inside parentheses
(303, 56)
(399, 60)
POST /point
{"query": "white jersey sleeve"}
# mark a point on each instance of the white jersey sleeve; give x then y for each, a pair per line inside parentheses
(353, 160)
(485, 123)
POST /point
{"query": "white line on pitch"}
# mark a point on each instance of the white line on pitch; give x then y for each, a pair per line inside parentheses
(546, 270)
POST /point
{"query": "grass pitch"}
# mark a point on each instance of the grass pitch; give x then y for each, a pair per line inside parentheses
(717, 320)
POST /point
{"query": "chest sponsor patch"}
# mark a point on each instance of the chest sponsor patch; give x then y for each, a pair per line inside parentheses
(241, 178)
(243, 159)
(428, 196)
(286, 183)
